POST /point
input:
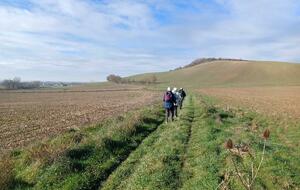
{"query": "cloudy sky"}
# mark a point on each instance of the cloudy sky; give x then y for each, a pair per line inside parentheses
(85, 40)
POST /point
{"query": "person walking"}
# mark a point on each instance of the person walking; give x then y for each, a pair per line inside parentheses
(182, 94)
(169, 100)
(177, 100)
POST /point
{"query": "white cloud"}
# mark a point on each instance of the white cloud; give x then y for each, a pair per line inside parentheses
(94, 38)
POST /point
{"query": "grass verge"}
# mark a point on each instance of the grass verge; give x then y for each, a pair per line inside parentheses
(208, 163)
(82, 159)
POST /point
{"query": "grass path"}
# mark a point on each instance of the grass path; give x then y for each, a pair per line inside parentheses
(158, 161)
(203, 164)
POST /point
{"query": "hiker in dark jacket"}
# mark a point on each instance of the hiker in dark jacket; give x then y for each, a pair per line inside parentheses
(182, 95)
(169, 100)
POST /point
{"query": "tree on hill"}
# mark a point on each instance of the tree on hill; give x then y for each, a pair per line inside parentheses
(117, 79)
(206, 60)
(114, 78)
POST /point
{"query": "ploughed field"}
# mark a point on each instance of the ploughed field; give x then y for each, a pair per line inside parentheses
(26, 116)
(280, 101)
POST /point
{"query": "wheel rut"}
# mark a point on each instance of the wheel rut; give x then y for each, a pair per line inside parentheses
(158, 161)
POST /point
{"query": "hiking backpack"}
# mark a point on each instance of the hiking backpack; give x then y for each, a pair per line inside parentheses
(168, 97)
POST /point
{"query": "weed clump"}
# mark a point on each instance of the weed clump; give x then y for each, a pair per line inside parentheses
(245, 170)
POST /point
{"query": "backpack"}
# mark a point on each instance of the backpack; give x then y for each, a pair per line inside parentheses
(168, 97)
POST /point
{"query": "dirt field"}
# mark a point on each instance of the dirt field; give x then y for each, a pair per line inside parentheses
(26, 116)
(274, 101)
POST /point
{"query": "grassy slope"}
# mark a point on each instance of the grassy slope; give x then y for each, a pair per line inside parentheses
(231, 73)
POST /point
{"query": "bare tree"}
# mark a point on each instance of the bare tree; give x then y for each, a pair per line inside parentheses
(17, 84)
(12, 84)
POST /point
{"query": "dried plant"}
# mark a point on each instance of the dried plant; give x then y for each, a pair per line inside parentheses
(239, 150)
(229, 144)
(266, 134)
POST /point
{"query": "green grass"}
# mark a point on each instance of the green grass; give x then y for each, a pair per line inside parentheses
(156, 165)
(190, 153)
(280, 169)
(204, 159)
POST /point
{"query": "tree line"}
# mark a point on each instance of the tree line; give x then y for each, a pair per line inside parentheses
(16, 83)
(206, 60)
(119, 80)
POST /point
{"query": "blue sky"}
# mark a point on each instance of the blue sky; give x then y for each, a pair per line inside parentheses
(85, 40)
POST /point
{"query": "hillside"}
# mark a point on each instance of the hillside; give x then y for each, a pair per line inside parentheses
(230, 73)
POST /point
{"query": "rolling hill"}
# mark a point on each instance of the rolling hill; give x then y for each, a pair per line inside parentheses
(230, 74)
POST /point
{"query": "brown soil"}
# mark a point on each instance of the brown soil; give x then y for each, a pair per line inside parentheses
(31, 115)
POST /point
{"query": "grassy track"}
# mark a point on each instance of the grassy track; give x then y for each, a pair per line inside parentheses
(157, 163)
(203, 164)
(189, 153)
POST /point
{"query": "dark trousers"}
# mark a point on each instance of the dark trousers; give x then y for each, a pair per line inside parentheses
(175, 111)
(181, 102)
(169, 112)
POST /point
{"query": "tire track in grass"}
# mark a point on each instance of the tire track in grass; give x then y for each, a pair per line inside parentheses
(185, 164)
(123, 172)
(160, 165)
(189, 137)
(203, 157)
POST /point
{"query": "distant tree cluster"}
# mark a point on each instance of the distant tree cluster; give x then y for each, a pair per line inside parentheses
(119, 80)
(205, 60)
(114, 78)
(17, 84)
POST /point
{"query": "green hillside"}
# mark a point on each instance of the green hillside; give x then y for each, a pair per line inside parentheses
(230, 73)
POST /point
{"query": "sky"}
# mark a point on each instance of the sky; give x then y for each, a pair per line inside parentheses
(86, 40)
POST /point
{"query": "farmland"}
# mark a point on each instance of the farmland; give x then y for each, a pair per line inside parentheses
(138, 151)
(30, 115)
(280, 101)
(105, 137)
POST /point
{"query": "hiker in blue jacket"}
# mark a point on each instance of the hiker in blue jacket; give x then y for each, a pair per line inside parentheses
(169, 100)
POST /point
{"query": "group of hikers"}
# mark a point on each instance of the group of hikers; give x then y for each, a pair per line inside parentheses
(172, 100)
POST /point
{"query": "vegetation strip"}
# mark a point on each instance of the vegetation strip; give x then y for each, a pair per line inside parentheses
(160, 166)
(83, 159)
(209, 164)
(202, 163)
(117, 179)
